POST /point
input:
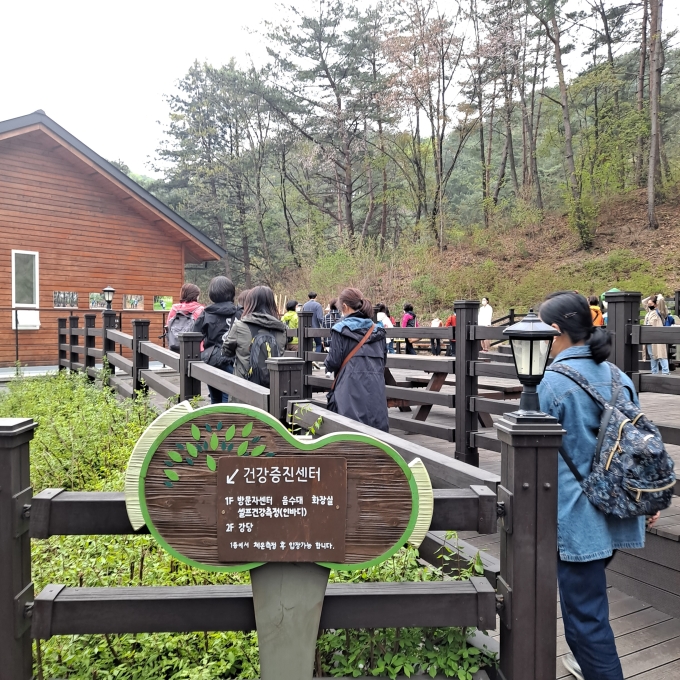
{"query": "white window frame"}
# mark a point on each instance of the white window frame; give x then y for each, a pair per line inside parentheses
(30, 320)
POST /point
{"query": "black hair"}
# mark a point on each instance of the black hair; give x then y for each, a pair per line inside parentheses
(354, 299)
(382, 307)
(570, 311)
(594, 301)
(311, 295)
(291, 305)
(333, 304)
(221, 289)
(260, 299)
(408, 307)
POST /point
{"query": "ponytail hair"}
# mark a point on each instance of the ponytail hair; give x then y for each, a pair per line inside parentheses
(354, 299)
(570, 311)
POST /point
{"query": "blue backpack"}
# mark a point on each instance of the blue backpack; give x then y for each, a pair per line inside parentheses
(632, 474)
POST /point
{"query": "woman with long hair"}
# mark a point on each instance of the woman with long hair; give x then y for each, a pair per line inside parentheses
(183, 314)
(586, 537)
(357, 357)
(260, 318)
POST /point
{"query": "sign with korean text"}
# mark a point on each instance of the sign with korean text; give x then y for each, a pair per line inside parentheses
(281, 509)
(227, 488)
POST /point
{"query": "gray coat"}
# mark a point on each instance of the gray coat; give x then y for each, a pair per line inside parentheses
(360, 388)
(237, 340)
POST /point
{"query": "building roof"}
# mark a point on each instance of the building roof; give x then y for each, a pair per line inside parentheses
(206, 248)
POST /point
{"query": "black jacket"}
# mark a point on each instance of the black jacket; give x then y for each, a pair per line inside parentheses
(213, 323)
(360, 388)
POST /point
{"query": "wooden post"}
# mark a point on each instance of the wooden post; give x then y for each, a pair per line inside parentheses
(623, 312)
(676, 309)
(189, 350)
(466, 385)
(89, 343)
(305, 345)
(72, 340)
(62, 323)
(16, 588)
(140, 362)
(528, 576)
(108, 323)
(286, 382)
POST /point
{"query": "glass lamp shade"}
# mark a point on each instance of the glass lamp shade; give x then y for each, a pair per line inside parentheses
(530, 340)
(108, 293)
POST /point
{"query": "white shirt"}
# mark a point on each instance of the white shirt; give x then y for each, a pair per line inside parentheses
(436, 323)
(385, 320)
(485, 315)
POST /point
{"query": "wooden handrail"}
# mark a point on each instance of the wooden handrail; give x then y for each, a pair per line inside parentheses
(119, 338)
(242, 390)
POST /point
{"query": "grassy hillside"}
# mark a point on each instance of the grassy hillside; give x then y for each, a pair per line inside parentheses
(515, 262)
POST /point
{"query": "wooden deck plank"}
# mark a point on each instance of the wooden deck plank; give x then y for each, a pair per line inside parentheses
(651, 657)
(669, 671)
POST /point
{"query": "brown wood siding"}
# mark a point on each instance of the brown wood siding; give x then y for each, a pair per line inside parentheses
(89, 234)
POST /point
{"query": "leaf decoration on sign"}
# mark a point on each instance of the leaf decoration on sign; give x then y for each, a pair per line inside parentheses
(230, 447)
(180, 446)
(255, 439)
(229, 434)
(214, 441)
(171, 475)
(173, 455)
(271, 454)
(204, 445)
(247, 429)
(258, 450)
(243, 447)
(219, 425)
(168, 484)
(223, 446)
(169, 463)
(208, 428)
(192, 450)
(195, 432)
(190, 461)
(211, 463)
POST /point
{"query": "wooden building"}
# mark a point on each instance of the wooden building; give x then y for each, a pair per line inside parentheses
(70, 224)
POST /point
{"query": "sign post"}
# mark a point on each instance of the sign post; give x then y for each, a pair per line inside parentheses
(228, 488)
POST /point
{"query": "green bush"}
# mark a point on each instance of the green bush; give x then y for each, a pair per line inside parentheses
(83, 442)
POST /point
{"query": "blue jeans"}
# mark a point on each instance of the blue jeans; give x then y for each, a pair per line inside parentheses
(656, 362)
(585, 612)
(217, 396)
(318, 346)
(390, 347)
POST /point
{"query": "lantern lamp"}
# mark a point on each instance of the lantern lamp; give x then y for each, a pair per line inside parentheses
(530, 340)
(108, 295)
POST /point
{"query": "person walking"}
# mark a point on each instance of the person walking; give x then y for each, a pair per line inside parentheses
(317, 317)
(484, 318)
(658, 354)
(259, 334)
(290, 318)
(409, 320)
(595, 311)
(332, 317)
(451, 323)
(385, 319)
(216, 320)
(357, 357)
(183, 314)
(436, 343)
(586, 537)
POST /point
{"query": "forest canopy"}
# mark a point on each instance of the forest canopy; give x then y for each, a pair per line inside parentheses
(410, 123)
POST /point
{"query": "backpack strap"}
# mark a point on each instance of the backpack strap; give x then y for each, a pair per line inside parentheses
(360, 344)
(573, 374)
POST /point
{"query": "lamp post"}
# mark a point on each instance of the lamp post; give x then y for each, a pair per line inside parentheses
(108, 295)
(527, 508)
(530, 340)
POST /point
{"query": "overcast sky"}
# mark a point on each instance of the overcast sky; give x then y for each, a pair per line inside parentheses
(100, 69)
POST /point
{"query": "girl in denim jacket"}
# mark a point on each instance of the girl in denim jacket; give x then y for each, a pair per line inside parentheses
(586, 538)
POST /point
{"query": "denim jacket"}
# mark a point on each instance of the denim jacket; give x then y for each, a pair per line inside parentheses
(583, 532)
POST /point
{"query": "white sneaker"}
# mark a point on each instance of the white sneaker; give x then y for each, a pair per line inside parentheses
(570, 663)
(329, 374)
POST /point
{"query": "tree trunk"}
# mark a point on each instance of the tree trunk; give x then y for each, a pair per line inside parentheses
(223, 243)
(383, 216)
(655, 7)
(641, 93)
(572, 180)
